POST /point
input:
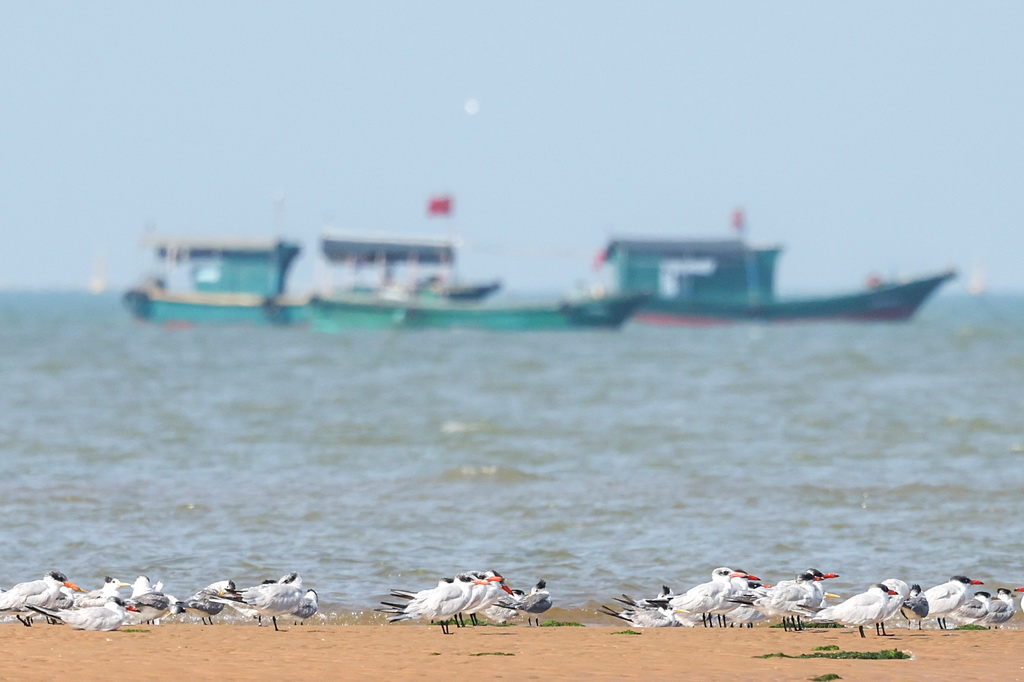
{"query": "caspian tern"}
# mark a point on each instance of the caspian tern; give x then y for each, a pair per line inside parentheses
(488, 588)
(789, 599)
(110, 616)
(710, 597)
(42, 593)
(862, 609)
(440, 603)
(895, 602)
(948, 597)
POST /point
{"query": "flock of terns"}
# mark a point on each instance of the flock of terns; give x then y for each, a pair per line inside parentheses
(739, 598)
(60, 600)
(732, 597)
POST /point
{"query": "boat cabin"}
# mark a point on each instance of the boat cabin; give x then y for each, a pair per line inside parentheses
(232, 265)
(693, 270)
(399, 266)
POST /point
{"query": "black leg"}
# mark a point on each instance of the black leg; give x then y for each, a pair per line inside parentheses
(861, 627)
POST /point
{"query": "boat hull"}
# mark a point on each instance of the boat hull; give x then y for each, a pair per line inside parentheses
(183, 310)
(348, 313)
(884, 303)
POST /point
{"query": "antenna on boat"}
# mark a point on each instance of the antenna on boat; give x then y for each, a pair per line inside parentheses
(279, 210)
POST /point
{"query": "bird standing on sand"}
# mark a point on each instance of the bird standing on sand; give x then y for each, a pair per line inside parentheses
(201, 603)
(43, 593)
(917, 605)
(271, 599)
(866, 608)
(1001, 609)
(438, 604)
(307, 607)
(946, 598)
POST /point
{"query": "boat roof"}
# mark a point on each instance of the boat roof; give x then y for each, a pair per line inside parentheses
(206, 247)
(683, 248)
(364, 247)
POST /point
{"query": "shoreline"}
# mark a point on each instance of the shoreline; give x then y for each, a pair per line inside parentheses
(416, 651)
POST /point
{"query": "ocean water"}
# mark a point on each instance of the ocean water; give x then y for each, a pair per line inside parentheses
(604, 462)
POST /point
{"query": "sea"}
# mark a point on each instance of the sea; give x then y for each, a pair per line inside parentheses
(604, 462)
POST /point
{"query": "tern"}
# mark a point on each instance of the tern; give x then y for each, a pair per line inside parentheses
(945, 598)
(440, 603)
(202, 604)
(110, 616)
(866, 608)
(917, 604)
(270, 599)
(307, 607)
(707, 598)
(43, 593)
(99, 597)
(973, 610)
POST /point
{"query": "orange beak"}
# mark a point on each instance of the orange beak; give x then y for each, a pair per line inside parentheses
(830, 575)
(752, 577)
(507, 588)
(73, 586)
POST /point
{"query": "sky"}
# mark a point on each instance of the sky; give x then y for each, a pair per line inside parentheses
(868, 137)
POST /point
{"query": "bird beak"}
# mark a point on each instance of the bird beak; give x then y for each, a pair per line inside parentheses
(893, 592)
(124, 584)
(831, 596)
(131, 607)
(737, 574)
(977, 582)
(1019, 589)
(507, 588)
(830, 575)
(74, 587)
(752, 577)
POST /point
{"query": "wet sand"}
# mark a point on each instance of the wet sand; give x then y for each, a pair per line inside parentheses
(413, 651)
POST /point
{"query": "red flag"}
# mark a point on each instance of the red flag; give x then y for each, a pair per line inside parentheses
(439, 206)
(600, 258)
(738, 221)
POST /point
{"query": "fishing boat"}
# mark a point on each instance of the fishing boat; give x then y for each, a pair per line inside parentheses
(394, 301)
(709, 281)
(226, 281)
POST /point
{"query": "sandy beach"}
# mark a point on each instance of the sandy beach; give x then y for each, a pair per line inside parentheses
(413, 651)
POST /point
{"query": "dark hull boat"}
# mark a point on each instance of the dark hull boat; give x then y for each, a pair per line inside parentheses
(702, 282)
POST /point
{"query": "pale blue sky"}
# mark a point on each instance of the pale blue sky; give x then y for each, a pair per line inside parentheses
(867, 136)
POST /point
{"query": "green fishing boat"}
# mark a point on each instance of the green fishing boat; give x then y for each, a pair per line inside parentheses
(225, 281)
(394, 301)
(701, 282)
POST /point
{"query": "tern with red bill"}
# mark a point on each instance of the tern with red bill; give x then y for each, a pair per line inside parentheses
(711, 597)
(946, 598)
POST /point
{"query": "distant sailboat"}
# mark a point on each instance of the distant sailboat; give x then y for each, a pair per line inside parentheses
(976, 285)
(98, 281)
